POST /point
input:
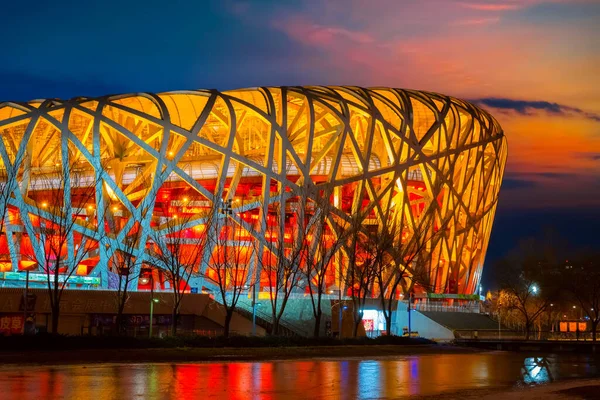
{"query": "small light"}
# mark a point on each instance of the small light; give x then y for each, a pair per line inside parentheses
(171, 153)
(574, 306)
(185, 199)
(551, 305)
(44, 204)
(90, 207)
(155, 300)
(175, 216)
(115, 208)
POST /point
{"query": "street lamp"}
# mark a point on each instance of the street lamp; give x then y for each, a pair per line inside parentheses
(152, 301)
(534, 289)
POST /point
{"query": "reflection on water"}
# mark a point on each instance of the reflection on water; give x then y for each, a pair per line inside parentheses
(300, 379)
(537, 370)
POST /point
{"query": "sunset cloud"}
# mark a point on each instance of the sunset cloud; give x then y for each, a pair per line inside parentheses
(492, 6)
(525, 107)
(476, 21)
(309, 33)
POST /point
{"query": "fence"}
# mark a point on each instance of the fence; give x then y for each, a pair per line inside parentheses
(505, 334)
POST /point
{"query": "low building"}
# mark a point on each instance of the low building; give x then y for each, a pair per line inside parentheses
(94, 312)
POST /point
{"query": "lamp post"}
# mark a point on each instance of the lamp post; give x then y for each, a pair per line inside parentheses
(340, 313)
(410, 298)
(152, 301)
(26, 301)
(254, 309)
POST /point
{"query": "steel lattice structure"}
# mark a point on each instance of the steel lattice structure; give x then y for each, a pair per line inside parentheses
(424, 154)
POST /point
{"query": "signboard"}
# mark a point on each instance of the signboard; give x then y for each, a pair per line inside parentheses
(572, 326)
(131, 320)
(194, 290)
(11, 324)
(74, 279)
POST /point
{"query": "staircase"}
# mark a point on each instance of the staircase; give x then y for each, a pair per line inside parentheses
(264, 319)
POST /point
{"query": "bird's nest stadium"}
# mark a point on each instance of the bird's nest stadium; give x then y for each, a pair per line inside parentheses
(155, 163)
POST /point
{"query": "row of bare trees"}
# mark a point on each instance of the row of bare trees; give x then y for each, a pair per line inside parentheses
(298, 251)
(538, 283)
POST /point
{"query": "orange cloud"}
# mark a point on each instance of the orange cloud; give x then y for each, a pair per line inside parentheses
(309, 33)
(492, 6)
(476, 21)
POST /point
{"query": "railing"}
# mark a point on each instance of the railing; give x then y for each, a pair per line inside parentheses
(509, 334)
(470, 307)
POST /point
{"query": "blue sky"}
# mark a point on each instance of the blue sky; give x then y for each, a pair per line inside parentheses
(535, 64)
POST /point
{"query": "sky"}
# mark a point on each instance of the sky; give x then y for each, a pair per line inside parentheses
(534, 64)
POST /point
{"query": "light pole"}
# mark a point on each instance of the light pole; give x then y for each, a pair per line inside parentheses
(410, 296)
(152, 301)
(254, 309)
(340, 313)
(26, 301)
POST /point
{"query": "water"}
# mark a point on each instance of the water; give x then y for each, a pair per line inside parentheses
(452, 375)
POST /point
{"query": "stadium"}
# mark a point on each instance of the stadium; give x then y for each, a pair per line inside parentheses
(253, 167)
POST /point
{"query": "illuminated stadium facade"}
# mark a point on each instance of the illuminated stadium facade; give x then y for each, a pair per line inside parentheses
(158, 163)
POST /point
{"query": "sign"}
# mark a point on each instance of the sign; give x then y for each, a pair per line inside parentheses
(131, 320)
(194, 290)
(11, 324)
(369, 325)
(74, 279)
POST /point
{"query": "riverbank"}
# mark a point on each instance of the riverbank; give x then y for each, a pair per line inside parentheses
(189, 354)
(563, 390)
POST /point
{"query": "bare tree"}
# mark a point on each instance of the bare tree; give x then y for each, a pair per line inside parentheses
(363, 257)
(325, 238)
(582, 278)
(66, 234)
(228, 265)
(179, 244)
(404, 253)
(126, 265)
(7, 184)
(528, 282)
(281, 259)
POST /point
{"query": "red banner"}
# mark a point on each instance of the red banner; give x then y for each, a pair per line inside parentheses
(11, 324)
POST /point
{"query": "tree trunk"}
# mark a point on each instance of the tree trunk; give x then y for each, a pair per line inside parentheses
(355, 328)
(275, 328)
(55, 316)
(228, 316)
(317, 329)
(388, 323)
(174, 322)
(119, 321)
(527, 329)
(594, 326)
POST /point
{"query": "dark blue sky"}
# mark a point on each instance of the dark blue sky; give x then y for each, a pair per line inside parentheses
(532, 63)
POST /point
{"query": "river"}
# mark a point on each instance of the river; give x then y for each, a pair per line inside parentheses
(449, 375)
